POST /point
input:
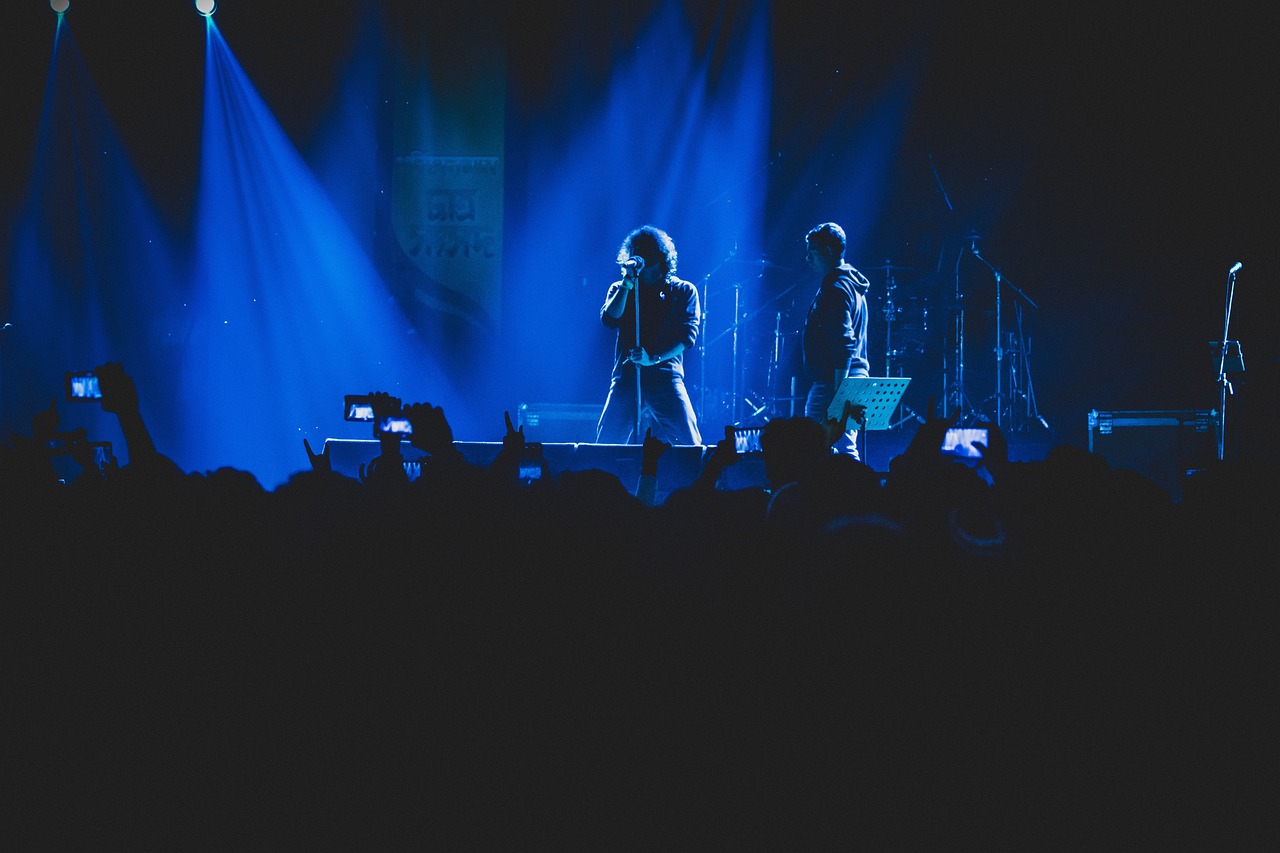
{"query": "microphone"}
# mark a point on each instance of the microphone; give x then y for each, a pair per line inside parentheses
(635, 262)
(1235, 269)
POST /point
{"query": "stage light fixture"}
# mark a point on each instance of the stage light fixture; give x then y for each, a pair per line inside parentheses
(206, 7)
(59, 6)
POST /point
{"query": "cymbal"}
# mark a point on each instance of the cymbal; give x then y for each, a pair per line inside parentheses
(888, 266)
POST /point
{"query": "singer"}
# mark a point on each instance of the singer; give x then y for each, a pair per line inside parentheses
(834, 342)
(646, 390)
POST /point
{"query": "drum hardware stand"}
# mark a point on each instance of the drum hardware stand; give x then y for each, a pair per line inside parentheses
(703, 304)
(1000, 396)
(739, 389)
(890, 311)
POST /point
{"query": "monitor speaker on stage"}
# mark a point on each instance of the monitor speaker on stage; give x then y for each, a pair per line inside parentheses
(564, 422)
(1165, 446)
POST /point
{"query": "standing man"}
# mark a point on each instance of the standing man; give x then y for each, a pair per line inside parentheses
(834, 343)
(647, 386)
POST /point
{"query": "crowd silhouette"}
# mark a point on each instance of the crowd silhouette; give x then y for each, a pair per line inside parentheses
(1009, 655)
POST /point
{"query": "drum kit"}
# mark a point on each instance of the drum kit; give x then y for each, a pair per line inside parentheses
(912, 332)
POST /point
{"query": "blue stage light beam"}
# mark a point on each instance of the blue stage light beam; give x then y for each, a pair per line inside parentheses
(92, 270)
(678, 138)
(288, 313)
(848, 143)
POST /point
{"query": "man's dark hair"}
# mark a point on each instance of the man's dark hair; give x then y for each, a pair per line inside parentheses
(652, 244)
(828, 235)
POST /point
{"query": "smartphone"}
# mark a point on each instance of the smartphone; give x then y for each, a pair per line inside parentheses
(959, 441)
(747, 439)
(357, 407)
(533, 465)
(396, 425)
(101, 452)
(83, 385)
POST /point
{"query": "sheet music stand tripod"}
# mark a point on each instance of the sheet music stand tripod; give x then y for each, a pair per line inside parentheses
(880, 395)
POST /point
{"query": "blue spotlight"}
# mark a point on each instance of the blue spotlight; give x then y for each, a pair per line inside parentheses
(206, 7)
(59, 6)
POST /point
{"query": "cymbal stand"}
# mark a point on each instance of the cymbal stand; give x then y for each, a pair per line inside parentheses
(703, 304)
(773, 370)
(999, 396)
(903, 413)
(775, 356)
(889, 310)
(955, 397)
(737, 319)
(1021, 387)
(740, 318)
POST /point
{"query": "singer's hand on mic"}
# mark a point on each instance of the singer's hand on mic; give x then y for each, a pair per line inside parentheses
(641, 356)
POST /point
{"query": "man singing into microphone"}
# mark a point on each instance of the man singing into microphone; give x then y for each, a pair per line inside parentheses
(668, 325)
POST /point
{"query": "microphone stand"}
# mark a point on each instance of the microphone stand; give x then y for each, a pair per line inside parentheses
(1224, 385)
(638, 437)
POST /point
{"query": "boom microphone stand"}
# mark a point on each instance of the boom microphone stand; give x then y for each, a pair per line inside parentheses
(1224, 386)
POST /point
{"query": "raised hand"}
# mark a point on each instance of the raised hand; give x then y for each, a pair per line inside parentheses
(652, 450)
(431, 431)
(724, 455)
(995, 453)
(514, 438)
(319, 461)
(384, 405)
(926, 444)
(119, 394)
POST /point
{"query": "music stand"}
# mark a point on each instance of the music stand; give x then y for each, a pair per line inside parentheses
(879, 394)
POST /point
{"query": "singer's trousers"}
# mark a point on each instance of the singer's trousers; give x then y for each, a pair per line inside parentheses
(666, 409)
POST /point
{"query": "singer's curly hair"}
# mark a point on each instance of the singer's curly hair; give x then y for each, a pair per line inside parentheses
(828, 235)
(652, 244)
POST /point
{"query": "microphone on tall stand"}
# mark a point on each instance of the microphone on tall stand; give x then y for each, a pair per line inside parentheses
(1235, 269)
(635, 262)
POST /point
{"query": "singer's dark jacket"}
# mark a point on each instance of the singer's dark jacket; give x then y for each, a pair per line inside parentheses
(835, 329)
(669, 314)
